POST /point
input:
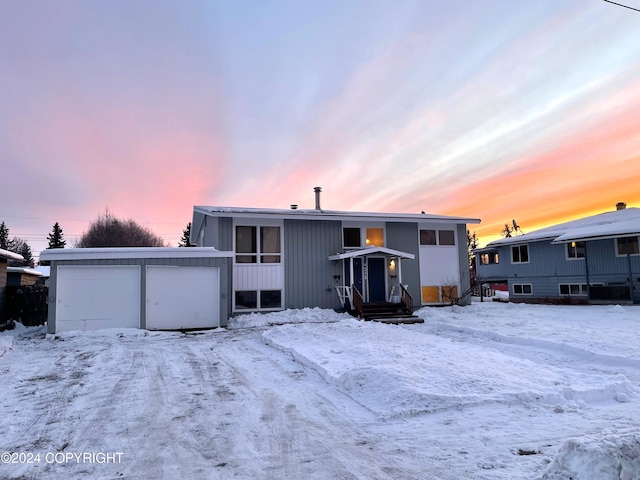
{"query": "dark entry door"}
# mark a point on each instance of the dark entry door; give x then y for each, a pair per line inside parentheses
(376, 273)
(357, 273)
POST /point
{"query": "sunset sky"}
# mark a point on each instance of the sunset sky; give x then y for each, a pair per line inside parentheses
(493, 109)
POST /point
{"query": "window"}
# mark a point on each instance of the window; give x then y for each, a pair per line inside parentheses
(446, 237)
(520, 254)
(573, 289)
(351, 237)
(427, 237)
(270, 299)
(627, 245)
(489, 258)
(269, 244)
(437, 237)
(247, 244)
(575, 250)
(375, 237)
(248, 300)
(522, 289)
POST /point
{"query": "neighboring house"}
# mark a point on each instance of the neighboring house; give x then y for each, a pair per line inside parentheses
(5, 256)
(594, 259)
(23, 276)
(312, 258)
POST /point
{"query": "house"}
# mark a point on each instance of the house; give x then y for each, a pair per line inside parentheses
(23, 276)
(5, 256)
(297, 258)
(595, 259)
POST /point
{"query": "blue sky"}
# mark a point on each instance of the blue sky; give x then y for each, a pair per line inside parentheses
(493, 109)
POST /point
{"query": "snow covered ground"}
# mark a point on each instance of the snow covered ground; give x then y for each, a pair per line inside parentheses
(490, 391)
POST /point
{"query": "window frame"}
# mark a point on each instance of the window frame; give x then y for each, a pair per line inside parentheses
(259, 300)
(618, 245)
(519, 249)
(522, 285)
(260, 255)
(432, 237)
(573, 250)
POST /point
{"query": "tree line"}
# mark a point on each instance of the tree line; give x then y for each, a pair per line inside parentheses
(106, 231)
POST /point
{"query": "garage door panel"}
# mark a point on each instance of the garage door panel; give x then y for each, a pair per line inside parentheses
(93, 297)
(182, 297)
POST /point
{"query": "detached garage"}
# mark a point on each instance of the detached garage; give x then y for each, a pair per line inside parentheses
(150, 288)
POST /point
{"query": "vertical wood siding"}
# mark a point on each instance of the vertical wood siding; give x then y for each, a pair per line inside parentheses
(3, 282)
(403, 236)
(309, 275)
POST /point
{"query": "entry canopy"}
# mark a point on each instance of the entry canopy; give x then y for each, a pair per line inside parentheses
(361, 252)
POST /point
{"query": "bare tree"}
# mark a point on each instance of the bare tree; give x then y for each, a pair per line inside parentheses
(109, 231)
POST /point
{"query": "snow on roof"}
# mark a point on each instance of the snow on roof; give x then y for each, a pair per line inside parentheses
(10, 255)
(313, 214)
(371, 250)
(28, 271)
(619, 223)
(130, 252)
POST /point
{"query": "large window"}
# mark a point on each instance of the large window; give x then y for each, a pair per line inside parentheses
(575, 250)
(249, 238)
(627, 246)
(258, 300)
(522, 289)
(437, 237)
(520, 254)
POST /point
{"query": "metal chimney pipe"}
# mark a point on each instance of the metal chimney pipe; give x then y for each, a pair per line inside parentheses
(621, 206)
(317, 190)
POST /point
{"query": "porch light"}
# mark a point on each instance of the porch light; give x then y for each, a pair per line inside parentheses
(392, 268)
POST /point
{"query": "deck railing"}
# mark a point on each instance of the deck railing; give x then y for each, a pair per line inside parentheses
(357, 300)
(406, 299)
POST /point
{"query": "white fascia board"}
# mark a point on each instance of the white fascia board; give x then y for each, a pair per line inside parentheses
(131, 252)
(372, 251)
(312, 214)
(11, 255)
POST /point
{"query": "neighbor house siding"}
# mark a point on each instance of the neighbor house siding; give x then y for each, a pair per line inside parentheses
(310, 277)
(403, 236)
(3, 283)
(223, 263)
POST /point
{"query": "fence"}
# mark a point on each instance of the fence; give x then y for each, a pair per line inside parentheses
(27, 304)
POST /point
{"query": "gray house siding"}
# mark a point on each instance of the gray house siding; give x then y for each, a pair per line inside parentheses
(404, 237)
(548, 267)
(223, 263)
(310, 277)
(216, 232)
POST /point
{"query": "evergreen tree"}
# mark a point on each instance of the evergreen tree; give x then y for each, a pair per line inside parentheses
(186, 234)
(4, 237)
(21, 247)
(56, 237)
(472, 244)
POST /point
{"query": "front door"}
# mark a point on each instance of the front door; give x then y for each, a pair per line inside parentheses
(357, 273)
(376, 277)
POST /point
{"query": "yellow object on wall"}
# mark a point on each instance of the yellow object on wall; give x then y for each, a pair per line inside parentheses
(431, 294)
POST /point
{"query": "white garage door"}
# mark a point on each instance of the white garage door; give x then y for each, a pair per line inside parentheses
(182, 297)
(93, 297)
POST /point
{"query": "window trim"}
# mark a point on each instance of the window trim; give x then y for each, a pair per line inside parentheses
(513, 288)
(617, 246)
(576, 245)
(436, 239)
(258, 295)
(519, 247)
(258, 255)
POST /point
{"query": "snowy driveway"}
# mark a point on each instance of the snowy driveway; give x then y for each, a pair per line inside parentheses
(322, 396)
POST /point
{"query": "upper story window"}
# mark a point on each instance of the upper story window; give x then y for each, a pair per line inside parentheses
(249, 238)
(437, 237)
(575, 250)
(375, 237)
(520, 254)
(627, 246)
(489, 258)
(351, 237)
